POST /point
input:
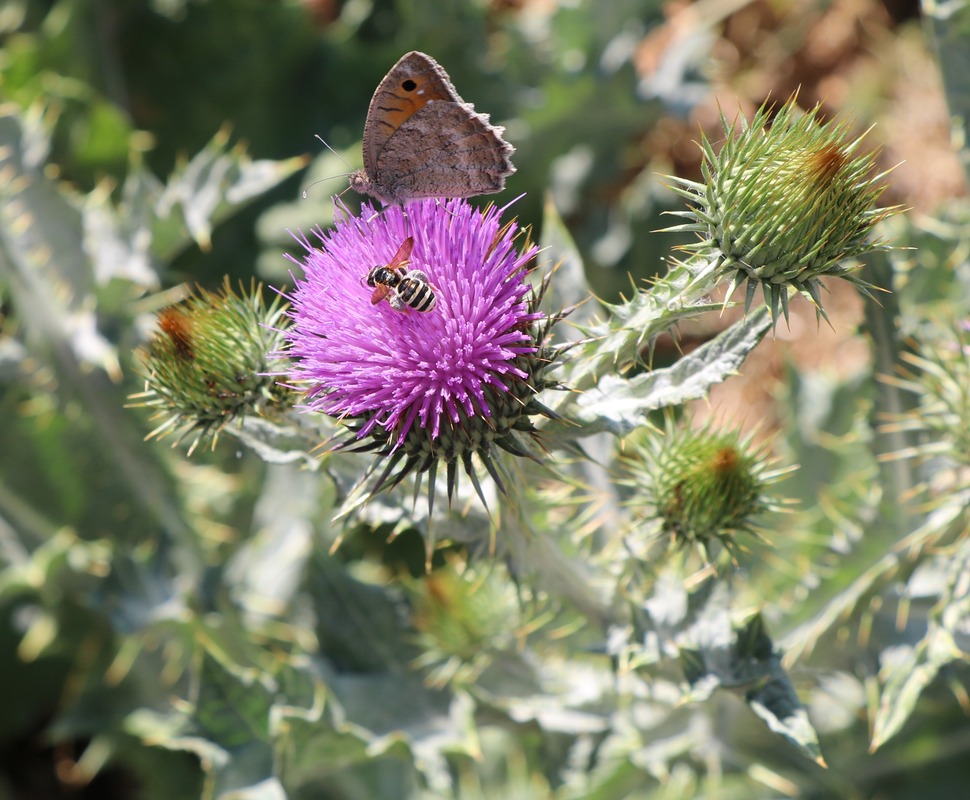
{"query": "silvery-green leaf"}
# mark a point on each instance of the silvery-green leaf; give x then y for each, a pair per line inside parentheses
(118, 240)
(286, 441)
(50, 275)
(777, 705)
(364, 627)
(744, 660)
(264, 574)
(909, 670)
(205, 190)
(232, 703)
(620, 341)
(399, 709)
(568, 287)
(266, 789)
(871, 576)
(620, 405)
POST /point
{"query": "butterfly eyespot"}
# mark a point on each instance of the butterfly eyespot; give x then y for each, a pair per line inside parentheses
(409, 85)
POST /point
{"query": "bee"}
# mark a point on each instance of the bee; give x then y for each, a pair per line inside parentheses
(385, 279)
(406, 289)
(414, 291)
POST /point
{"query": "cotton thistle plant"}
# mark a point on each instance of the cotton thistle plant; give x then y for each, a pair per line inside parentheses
(207, 363)
(786, 202)
(424, 390)
(698, 486)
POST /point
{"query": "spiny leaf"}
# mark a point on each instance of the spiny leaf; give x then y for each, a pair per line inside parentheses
(915, 668)
(619, 405)
(618, 343)
(744, 660)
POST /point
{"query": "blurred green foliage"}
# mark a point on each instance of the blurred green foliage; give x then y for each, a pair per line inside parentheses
(174, 628)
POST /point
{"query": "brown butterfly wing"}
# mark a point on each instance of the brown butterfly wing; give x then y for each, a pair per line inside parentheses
(444, 149)
(412, 82)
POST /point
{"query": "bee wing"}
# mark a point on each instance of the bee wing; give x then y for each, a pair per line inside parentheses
(403, 254)
(379, 294)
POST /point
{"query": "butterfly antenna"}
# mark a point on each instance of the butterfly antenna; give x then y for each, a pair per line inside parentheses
(306, 189)
(324, 143)
(350, 169)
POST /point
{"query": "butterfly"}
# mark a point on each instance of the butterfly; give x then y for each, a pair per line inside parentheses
(422, 140)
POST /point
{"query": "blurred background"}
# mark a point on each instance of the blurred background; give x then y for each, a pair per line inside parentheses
(600, 99)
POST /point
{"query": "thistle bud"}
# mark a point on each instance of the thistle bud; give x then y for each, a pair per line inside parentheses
(699, 486)
(464, 619)
(783, 205)
(207, 363)
(937, 374)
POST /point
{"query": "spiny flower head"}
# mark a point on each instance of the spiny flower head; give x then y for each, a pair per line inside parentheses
(464, 617)
(420, 387)
(698, 485)
(207, 363)
(937, 375)
(785, 203)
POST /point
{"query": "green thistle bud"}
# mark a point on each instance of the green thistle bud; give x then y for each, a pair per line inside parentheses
(782, 206)
(464, 619)
(208, 364)
(699, 486)
(938, 376)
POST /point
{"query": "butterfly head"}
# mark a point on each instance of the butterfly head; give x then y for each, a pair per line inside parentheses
(361, 183)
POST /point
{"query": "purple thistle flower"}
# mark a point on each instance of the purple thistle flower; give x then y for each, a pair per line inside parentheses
(434, 385)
